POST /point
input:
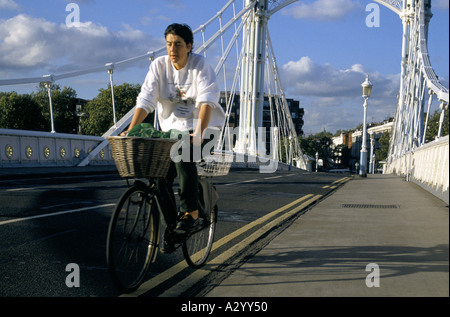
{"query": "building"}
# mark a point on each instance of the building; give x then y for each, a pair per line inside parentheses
(353, 141)
(297, 114)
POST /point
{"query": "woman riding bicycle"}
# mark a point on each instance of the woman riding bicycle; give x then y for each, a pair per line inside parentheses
(182, 86)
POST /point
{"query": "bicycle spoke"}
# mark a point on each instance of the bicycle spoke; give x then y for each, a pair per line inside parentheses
(132, 238)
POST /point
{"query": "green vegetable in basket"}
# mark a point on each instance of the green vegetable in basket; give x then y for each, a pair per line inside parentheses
(177, 134)
(143, 130)
(146, 130)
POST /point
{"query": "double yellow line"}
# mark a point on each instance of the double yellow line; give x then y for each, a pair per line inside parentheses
(336, 183)
(212, 264)
(191, 279)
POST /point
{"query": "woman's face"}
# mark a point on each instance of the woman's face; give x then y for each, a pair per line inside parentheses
(178, 50)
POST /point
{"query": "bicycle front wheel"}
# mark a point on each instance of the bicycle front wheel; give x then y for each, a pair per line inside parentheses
(197, 245)
(132, 239)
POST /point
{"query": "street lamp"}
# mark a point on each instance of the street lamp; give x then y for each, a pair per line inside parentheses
(317, 161)
(366, 91)
(372, 144)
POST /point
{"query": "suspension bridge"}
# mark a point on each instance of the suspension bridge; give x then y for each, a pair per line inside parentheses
(247, 69)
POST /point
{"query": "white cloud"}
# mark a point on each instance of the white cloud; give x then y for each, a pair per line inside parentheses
(323, 9)
(9, 5)
(312, 79)
(27, 43)
(332, 98)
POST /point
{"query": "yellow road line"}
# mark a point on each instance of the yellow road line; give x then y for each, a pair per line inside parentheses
(190, 280)
(177, 268)
(342, 180)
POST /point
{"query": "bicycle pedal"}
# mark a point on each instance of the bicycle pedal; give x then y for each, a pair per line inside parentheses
(168, 249)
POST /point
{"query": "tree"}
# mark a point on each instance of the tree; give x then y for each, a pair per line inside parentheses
(433, 126)
(98, 113)
(317, 143)
(20, 112)
(64, 107)
(382, 152)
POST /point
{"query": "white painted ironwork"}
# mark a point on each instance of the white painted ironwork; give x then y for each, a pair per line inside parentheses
(256, 76)
(250, 25)
(394, 5)
(419, 87)
(427, 165)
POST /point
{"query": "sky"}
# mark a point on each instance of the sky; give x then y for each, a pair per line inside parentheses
(323, 48)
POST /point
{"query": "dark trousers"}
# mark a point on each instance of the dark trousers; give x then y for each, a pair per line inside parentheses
(188, 180)
(187, 177)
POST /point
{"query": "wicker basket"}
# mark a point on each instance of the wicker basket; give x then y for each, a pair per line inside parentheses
(141, 157)
(215, 165)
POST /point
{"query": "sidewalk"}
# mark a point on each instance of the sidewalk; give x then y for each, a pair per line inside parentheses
(379, 220)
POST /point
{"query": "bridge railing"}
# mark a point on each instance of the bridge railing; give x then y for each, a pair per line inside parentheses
(231, 29)
(427, 165)
(409, 154)
(20, 148)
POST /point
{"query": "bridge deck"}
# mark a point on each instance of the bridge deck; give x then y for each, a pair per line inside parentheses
(382, 220)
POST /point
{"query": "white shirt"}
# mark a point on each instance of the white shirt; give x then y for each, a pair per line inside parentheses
(178, 94)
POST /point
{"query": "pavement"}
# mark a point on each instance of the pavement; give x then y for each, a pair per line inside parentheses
(378, 236)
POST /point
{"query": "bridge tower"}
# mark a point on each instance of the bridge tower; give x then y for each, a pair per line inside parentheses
(418, 81)
(253, 88)
(252, 80)
(410, 154)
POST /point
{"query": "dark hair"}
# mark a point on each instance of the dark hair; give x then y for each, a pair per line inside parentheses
(182, 30)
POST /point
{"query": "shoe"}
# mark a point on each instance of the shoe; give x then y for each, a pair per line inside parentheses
(189, 224)
(168, 247)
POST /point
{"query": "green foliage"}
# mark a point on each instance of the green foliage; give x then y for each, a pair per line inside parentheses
(98, 113)
(382, 152)
(433, 125)
(64, 103)
(318, 143)
(20, 112)
(32, 111)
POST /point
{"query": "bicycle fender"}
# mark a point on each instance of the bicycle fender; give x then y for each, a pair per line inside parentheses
(138, 182)
(210, 196)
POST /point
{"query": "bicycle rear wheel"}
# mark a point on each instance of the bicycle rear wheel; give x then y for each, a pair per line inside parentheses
(197, 245)
(132, 239)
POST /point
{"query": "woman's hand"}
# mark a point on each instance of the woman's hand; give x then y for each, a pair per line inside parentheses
(196, 139)
(138, 117)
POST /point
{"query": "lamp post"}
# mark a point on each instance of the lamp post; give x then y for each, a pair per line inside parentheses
(48, 85)
(372, 143)
(366, 91)
(373, 163)
(317, 161)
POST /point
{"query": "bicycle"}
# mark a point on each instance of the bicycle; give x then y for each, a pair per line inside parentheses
(133, 236)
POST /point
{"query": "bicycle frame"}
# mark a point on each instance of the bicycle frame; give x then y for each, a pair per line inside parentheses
(165, 198)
